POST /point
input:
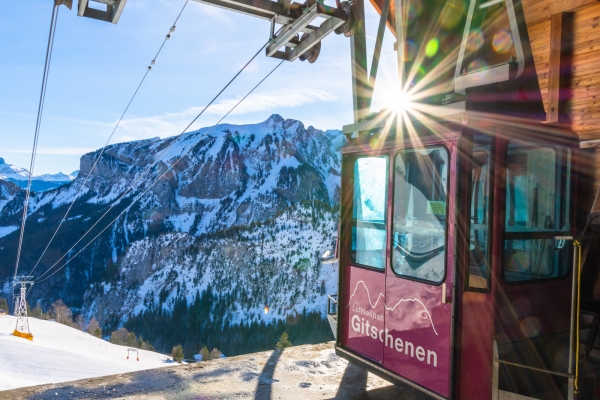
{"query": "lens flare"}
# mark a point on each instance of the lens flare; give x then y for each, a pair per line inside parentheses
(475, 40)
(432, 47)
(410, 50)
(266, 309)
(476, 65)
(502, 42)
(452, 13)
(414, 10)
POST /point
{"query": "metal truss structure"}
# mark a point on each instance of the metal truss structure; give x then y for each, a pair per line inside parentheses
(301, 33)
(22, 325)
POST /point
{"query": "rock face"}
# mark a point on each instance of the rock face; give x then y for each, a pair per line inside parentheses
(239, 210)
(8, 191)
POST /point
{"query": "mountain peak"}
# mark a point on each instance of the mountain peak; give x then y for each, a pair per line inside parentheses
(2, 160)
(275, 118)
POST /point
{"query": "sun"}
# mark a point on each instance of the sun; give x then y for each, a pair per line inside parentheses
(398, 101)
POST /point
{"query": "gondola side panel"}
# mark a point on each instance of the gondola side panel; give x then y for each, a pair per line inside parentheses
(364, 310)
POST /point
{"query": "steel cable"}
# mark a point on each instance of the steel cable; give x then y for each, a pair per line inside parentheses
(36, 136)
(160, 155)
(82, 185)
(157, 179)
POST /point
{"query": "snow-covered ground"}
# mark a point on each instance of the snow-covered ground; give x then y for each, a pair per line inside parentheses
(60, 354)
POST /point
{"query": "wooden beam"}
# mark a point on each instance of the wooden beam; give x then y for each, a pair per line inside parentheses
(358, 55)
(556, 35)
(560, 71)
(536, 10)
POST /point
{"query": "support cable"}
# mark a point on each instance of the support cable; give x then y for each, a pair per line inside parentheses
(155, 181)
(167, 37)
(36, 135)
(158, 158)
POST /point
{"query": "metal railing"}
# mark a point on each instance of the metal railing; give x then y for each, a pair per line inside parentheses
(332, 310)
(573, 368)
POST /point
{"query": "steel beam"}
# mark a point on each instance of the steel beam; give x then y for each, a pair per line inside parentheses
(377, 52)
(263, 9)
(358, 54)
(292, 30)
(326, 28)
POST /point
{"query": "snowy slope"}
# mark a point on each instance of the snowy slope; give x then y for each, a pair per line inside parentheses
(60, 354)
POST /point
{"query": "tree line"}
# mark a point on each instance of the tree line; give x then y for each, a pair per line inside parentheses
(201, 324)
(63, 314)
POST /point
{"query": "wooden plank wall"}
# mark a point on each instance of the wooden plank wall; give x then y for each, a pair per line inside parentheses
(585, 103)
(539, 36)
(583, 106)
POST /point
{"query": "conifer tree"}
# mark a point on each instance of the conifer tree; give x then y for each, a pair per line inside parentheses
(36, 312)
(177, 353)
(4, 305)
(94, 328)
(284, 341)
(205, 354)
(215, 354)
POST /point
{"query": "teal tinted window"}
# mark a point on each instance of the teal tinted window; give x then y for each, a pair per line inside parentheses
(369, 211)
(479, 269)
(420, 213)
(537, 209)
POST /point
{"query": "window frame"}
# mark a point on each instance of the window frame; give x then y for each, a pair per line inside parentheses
(490, 219)
(564, 158)
(353, 261)
(393, 202)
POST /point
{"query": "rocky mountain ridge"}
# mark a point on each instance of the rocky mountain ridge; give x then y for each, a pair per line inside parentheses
(241, 218)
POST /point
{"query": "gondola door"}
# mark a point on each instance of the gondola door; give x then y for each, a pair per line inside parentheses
(363, 303)
(418, 313)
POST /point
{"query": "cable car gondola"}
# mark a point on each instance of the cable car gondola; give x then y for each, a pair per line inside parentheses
(462, 209)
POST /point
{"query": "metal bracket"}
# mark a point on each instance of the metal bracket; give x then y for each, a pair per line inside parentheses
(113, 11)
(295, 18)
(289, 37)
(67, 3)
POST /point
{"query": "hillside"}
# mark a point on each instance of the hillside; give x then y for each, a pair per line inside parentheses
(235, 227)
(59, 353)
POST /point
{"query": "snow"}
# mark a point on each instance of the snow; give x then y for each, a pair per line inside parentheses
(60, 177)
(61, 354)
(5, 230)
(11, 171)
(182, 222)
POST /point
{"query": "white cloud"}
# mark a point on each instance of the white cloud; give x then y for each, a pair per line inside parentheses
(215, 13)
(170, 124)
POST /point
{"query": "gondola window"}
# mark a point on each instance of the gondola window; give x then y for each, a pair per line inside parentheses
(369, 211)
(537, 205)
(420, 213)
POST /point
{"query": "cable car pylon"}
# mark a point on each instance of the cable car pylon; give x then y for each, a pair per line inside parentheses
(22, 325)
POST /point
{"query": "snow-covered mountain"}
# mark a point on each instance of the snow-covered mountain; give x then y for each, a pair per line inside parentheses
(39, 183)
(233, 228)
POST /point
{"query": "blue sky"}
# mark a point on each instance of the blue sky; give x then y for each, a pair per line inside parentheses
(96, 66)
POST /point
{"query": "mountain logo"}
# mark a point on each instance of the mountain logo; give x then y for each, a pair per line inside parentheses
(381, 295)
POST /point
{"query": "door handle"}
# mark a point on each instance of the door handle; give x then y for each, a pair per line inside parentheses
(445, 298)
